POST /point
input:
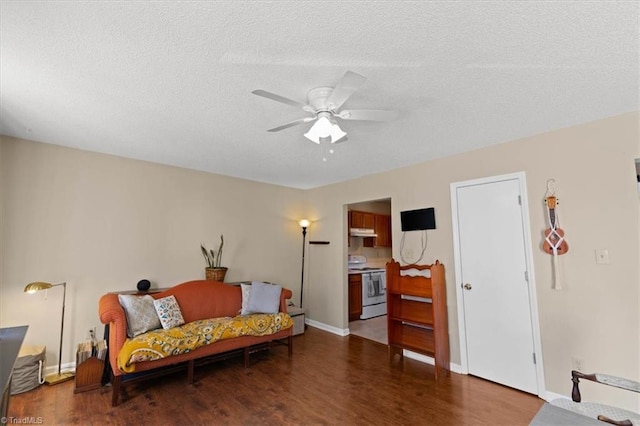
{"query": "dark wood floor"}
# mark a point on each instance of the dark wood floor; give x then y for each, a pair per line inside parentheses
(330, 380)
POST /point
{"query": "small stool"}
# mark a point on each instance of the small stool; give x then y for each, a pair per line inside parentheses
(297, 314)
(28, 372)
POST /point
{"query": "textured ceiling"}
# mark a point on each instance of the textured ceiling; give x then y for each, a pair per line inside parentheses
(171, 82)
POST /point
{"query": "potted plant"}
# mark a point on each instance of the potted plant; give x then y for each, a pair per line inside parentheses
(213, 270)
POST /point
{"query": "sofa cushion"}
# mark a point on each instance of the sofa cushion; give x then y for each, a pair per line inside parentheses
(264, 298)
(160, 344)
(140, 312)
(169, 312)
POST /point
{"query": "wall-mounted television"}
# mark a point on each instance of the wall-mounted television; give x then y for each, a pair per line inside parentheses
(418, 220)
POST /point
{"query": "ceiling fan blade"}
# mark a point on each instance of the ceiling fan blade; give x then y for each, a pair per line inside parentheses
(277, 98)
(368, 114)
(292, 123)
(350, 82)
(341, 140)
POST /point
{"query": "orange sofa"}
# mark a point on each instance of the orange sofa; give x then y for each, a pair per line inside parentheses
(198, 300)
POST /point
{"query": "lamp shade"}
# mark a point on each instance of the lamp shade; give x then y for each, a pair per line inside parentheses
(304, 223)
(325, 129)
(37, 286)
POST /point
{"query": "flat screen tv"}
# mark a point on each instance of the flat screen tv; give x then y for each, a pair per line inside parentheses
(418, 220)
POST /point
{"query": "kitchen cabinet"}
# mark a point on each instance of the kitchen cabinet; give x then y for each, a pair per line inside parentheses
(382, 228)
(417, 313)
(359, 219)
(355, 296)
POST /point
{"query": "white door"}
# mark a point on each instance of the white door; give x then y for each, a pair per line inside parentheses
(491, 269)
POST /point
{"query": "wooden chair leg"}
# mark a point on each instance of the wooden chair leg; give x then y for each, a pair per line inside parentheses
(614, 422)
(190, 368)
(115, 385)
(393, 352)
(575, 391)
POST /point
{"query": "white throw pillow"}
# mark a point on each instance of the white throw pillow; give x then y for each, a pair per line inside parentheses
(140, 312)
(169, 312)
(264, 298)
(246, 291)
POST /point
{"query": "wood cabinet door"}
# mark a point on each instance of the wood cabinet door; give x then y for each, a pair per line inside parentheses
(349, 226)
(368, 220)
(359, 219)
(382, 227)
(355, 297)
(356, 219)
(383, 230)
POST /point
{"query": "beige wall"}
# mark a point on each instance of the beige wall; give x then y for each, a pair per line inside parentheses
(101, 223)
(596, 316)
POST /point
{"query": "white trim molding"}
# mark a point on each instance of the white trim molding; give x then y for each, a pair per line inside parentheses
(331, 329)
(454, 368)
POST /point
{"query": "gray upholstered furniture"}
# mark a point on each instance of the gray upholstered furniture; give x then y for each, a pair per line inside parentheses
(550, 415)
(594, 410)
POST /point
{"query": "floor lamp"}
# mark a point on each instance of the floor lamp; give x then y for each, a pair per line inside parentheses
(53, 379)
(304, 223)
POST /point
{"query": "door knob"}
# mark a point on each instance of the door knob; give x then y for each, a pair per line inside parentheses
(467, 286)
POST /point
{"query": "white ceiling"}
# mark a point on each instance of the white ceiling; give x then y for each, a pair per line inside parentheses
(171, 82)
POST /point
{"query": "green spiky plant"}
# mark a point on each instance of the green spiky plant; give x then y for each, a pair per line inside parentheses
(213, 259)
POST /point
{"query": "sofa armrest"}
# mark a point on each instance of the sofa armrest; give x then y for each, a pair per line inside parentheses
(112, 314)
(284, 296)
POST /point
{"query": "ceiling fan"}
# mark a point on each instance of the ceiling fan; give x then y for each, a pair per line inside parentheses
(324, 103)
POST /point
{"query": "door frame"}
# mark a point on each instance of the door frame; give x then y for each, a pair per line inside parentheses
(520, 177)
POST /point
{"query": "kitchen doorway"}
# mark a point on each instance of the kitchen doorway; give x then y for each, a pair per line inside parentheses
(369, 248)
(373, 329)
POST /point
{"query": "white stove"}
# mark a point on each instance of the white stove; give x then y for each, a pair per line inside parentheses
(356, 263)
(374, 287)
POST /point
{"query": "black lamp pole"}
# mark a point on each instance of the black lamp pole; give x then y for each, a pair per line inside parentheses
(304, 236)
(304, 223)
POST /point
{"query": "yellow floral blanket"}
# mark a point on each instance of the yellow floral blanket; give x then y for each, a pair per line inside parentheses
(157, 344)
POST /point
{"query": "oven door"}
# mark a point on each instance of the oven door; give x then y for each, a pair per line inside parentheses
(373, 288)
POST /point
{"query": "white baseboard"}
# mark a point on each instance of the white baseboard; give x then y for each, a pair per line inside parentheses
(331, 329)
(455, 368)
(550, 396)
(51, 369)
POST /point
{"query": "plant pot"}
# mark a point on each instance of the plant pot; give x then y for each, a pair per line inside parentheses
(215, 274)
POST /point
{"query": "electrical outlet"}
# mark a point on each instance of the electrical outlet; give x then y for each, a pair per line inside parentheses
(577, 363)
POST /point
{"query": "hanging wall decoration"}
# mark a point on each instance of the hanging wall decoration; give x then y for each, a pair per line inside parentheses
(554, 241)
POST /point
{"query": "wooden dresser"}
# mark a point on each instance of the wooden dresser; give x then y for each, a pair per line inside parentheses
(417, 312)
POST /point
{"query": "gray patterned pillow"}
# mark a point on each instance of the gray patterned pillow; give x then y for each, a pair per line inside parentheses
(140, 312)
(169, 312)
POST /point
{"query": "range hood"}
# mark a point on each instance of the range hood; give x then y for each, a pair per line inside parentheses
(362, 232)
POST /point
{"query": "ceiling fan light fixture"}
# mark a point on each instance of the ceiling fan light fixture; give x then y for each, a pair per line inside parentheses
(324, 130)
